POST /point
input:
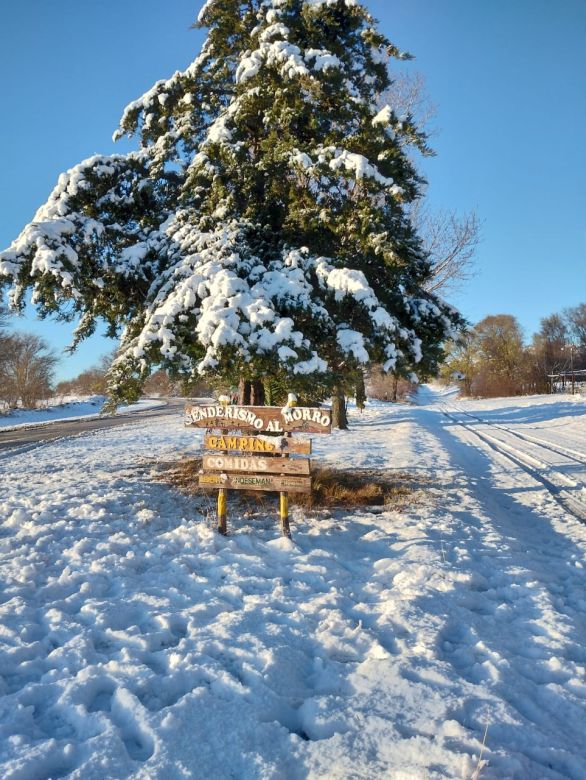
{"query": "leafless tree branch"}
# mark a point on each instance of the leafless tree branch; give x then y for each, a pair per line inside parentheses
(451, 241)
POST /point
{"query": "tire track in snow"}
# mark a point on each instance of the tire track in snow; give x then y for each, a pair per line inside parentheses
(557, 484)
(578, 457)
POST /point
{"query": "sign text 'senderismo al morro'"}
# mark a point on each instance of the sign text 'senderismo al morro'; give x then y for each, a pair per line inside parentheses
(261, 418)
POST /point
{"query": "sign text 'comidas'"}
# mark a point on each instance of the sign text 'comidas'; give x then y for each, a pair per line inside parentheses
(261, 465)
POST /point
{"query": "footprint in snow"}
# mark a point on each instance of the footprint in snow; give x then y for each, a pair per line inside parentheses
(127, 715)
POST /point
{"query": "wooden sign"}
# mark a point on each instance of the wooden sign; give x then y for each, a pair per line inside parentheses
(257, 444)
(251, 463)
(260, 419)
(265, 482)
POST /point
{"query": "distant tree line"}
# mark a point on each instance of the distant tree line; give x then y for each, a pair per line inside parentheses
(492, 358)
(387, 387)
(94, 381)
(27, 373)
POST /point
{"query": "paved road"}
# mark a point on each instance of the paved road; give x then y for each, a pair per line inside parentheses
(27, 437)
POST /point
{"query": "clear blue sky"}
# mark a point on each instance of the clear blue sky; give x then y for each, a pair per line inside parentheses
(508, 79)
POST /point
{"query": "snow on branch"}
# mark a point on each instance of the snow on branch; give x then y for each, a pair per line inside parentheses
(263, 225)
(95, 224)
(336, 160)
(256, 310)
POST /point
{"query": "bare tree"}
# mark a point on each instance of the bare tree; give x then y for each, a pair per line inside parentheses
(26, 370)
(92, 381)
(548, 345)
(451, 241)
(106, 360)
(462, 362)
(3, 334)
(387, 387)
(89, 382)
(491, 360)
(160, 384)
(4, 347)
(575, 319)
(409, 98)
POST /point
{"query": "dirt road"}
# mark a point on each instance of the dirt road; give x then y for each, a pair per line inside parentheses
(31, 436)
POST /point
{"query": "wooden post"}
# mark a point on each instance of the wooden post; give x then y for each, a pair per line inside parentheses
(222, 511)
(284, 514)
(223, 499)
(283, 497)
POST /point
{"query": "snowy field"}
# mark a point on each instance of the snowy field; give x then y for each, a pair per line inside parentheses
(73, 408)
(137, 643)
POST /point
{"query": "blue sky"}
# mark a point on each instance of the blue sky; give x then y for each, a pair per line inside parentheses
(508, 80)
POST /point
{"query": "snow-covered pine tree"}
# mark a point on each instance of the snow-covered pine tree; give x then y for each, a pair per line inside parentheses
(261, 227)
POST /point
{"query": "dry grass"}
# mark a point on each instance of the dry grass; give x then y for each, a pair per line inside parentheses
(332, 487)
(182, 474)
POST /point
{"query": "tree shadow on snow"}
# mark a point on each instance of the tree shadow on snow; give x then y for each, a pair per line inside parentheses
(515, 627)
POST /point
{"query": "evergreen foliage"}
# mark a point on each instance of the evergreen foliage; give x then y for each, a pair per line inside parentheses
(261, 229)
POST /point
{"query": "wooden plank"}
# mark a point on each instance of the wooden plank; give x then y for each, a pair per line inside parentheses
(258, 444)
(260, 418)
(255, 464)
(264, 482)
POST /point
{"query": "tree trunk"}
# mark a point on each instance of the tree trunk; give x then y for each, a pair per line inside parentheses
(395, 386)
(244, 392)
(339, 416)
(251, 393)
(257, 393)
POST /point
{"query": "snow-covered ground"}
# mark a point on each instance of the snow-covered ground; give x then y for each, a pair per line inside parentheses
(135, 642)
(69, 409)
